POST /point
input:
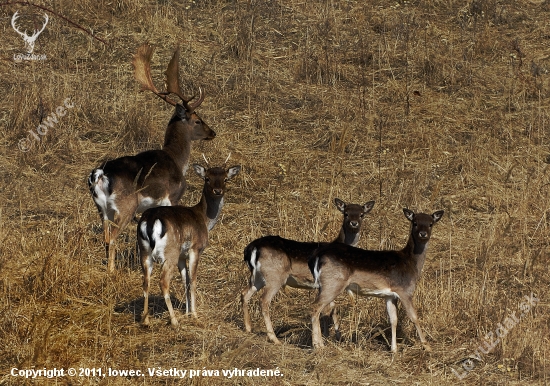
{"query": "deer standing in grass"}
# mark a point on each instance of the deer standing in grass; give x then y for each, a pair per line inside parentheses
(176, 236)
(391, 275)
(275, 262)
(128, 185)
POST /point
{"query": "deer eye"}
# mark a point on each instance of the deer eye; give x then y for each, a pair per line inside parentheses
(206, 179)
(415, 224)
(198, 122)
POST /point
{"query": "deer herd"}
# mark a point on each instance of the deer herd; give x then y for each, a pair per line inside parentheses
(151, 183)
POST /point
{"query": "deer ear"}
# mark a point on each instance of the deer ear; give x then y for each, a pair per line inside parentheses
(367, 207)
(409, 214)
(437, 215)
(181, 111)
(200, 170)
(233, 171)
(341, 205)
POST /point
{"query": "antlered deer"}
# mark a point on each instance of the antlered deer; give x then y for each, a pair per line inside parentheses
(129, 185)
(176, 236)
(391, 275)
(28, 39)
(274, 262)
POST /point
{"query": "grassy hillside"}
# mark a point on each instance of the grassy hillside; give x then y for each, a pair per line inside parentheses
(426, 105)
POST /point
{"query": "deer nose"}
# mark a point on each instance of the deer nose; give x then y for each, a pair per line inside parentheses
(423, 234)
(218, 192)
(354, 224)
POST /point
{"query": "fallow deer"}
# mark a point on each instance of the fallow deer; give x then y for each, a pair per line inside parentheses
(131, 184)
(391, 274)
(274, 262)
(176, 236)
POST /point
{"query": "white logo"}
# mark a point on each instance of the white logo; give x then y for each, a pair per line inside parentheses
(29, 40)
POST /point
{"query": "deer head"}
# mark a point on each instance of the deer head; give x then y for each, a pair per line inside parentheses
(29, 40)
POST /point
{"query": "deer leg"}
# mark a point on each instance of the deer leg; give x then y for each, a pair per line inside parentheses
(335, 321)
(110, 247)
(330, 313)
(147, 268)
(411, 312)
(391, 306)
(246, 295)
(270, 291)
(193, 265)
(112, 228)
(182, 268)
(316, 336)
(323, 300)
(165, 288)
(257, 282)
(327, 293)
(187, 284)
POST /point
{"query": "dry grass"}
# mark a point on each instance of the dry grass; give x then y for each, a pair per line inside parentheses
(427, 105)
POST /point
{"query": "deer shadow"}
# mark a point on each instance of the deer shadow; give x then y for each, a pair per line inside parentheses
(296, 334)
(157, 307)
(379, 335)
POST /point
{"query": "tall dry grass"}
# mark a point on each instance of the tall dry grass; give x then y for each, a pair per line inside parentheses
(427, 105)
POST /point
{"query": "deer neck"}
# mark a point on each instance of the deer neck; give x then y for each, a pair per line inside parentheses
(416, 250)
(177, 143)
(210, 207)
(347, 237)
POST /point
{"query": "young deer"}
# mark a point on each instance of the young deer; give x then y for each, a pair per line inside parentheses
(390, 275)
(275, 262)
(177, 235)
(128, 185)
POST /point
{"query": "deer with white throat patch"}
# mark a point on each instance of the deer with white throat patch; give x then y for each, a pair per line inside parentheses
(390, 275)
(275, 262)
(175, 236)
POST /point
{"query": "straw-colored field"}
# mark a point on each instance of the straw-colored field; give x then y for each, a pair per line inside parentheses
(425, 105)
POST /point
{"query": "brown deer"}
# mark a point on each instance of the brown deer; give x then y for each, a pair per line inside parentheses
(391, 275)
(128, 185)
(176, 236)
(275, 262)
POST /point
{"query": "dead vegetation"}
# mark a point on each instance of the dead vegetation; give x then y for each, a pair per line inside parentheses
(427, 105)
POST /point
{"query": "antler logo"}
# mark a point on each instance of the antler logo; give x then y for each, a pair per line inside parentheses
(29, 40)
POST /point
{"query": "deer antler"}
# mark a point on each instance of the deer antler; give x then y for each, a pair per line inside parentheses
(173, 83)
(193, 106)
(172, 76)
(142, 67)
(46, 18)
(13, 19)
(142, 72)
